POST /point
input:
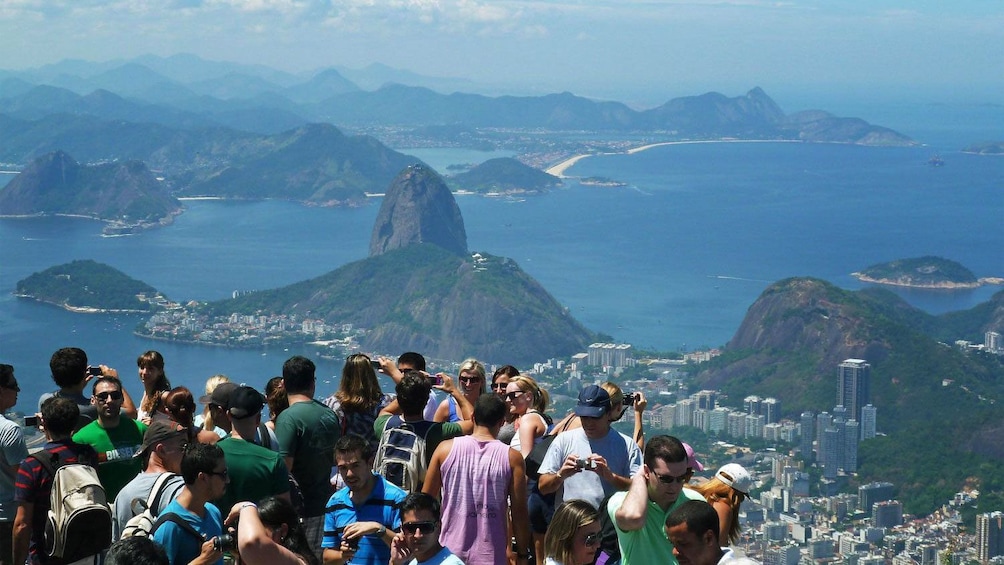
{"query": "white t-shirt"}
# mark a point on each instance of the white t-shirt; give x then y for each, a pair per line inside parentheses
(621, 452)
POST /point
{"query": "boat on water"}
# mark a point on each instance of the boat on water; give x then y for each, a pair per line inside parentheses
(936, 161)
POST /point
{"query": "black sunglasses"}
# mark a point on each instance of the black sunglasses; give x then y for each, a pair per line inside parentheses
(104, 396)
(670, 479)
(424, 527)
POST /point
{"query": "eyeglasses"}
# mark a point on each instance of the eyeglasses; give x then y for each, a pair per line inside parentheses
(514, 395)
(224, 473)
(104, 396)
(592, 539)
(424, 527)
(670, 479)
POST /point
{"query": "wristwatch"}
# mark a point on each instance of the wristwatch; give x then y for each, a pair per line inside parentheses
(381, 531)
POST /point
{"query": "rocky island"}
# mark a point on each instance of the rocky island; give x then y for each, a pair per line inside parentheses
(91, 287)
(924, 272)
(986, 148)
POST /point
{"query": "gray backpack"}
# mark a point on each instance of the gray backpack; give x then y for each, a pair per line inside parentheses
(145, 511)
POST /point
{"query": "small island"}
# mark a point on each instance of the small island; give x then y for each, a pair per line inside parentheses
(90, 287)
(986, 148)
(601, 181)
(924, 272)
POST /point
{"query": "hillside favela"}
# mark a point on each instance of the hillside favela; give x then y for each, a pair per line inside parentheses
(480, 282)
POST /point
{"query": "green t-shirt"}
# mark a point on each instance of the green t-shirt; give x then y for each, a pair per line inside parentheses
(438, 433)
(307, 432)
(115, 447)
(255, 472)
(648, 544)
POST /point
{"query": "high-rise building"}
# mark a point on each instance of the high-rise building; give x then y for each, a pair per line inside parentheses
(853, 386)
(887, 514)
(770, 408)
(705, 399)
(751, 404)
(871, 493)
(989, 534)
(869, 415)
(992, 342)
(808, 435)
(609, 354)
(851, 435)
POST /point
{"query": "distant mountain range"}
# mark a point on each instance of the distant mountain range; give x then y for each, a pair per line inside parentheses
(185, 89)
(932, 398)
(241, 131)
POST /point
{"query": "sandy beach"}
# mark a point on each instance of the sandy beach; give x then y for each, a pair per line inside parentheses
(559, 169)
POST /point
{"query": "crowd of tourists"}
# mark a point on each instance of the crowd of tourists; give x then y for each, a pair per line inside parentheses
(470, 469)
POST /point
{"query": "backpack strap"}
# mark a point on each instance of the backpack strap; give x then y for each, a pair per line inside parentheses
(178, 521)
(48, 460)
(157, 492)
(266, 440)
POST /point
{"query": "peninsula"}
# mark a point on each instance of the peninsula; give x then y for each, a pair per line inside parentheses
(924, 272)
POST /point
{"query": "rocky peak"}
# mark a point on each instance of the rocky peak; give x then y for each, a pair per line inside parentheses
(418, 208)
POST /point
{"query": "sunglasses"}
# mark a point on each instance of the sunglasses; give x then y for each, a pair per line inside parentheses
(499, 386)
(424, 527)
(670, 479)
(514, 395)
(469, 380)
(104, 396)
(592, 539)
(222, 473)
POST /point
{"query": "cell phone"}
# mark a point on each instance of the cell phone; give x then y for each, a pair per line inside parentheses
(376, 365)
(31, 421)
(353, 543)
(629, 399)
(434, 379)
(94, 371)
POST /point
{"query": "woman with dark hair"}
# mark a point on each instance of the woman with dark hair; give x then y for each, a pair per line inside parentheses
(270, 533)
(359, 399)
(275, 398)
(180, 406)
(155, 387)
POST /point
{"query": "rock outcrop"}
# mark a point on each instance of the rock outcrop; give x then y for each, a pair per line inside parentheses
(418, 208)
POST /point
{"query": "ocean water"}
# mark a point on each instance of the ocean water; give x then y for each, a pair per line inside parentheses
(671, 261)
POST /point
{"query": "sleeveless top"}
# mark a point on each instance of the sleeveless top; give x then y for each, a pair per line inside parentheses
(516, 443)
(507, 431)
(476, 476)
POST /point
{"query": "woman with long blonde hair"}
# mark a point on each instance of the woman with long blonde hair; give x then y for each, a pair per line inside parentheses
(725, 492)
(527, 403)
(471, 382)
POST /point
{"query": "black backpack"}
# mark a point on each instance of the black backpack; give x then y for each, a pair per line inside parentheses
(609, 552)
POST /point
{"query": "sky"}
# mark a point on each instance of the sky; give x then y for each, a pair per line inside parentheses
(621, 49)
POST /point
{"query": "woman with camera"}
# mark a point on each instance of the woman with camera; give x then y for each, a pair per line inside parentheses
(269, 533)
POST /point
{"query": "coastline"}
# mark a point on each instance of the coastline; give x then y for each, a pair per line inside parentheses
(82, 309)
(938, 286)
(559, 169)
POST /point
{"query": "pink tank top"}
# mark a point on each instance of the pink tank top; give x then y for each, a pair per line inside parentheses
(476, 476)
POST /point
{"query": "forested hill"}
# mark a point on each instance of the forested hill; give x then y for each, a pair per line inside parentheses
(931, 397)
(87, 285)
(424, 298)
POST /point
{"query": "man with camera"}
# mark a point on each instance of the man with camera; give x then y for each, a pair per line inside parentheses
(190, 528)
(72, 374)
(363, 516)
(592, 461)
